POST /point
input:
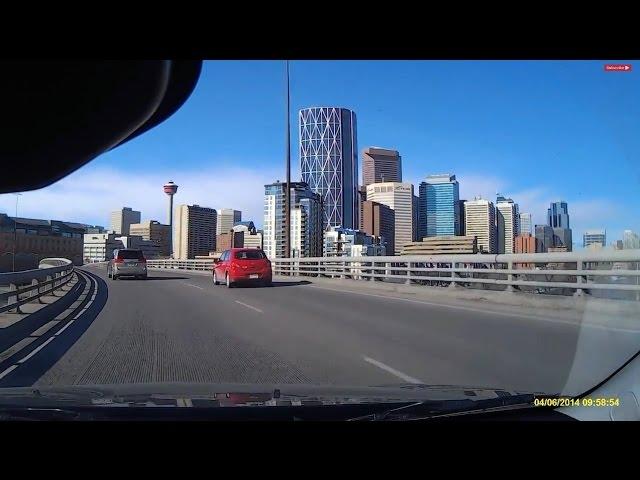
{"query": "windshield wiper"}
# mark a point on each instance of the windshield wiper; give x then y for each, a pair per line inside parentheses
(430, 409)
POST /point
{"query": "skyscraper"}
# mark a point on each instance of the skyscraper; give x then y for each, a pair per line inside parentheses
(558, 215)
(381, 165)
(439, 197)
(461, 217)
(306, 221)
(378, 220)
(506, 224)
(480, 221)
(399, 198)
(591, 237)
(630, 239)
(227, 218)
(562, 237)
(544, 238)
(195, 231)
(122, 219)
(525, 223)
(329, 161)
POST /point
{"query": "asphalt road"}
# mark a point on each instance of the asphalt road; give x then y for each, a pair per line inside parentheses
(179, 327)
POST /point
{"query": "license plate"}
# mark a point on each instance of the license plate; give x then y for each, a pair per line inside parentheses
(131, 264)
(254, 276)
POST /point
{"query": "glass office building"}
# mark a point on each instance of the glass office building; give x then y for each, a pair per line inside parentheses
(438, 206)
(329, 162)
(558, 215)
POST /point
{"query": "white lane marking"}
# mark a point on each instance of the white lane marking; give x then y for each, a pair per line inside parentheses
(16, 347)
(192, 285)
(36, 350)
(79, 313)
(63, 328)
(249, 306)
(392, 370)
(8, 371)
(44, 329)
(492, 312)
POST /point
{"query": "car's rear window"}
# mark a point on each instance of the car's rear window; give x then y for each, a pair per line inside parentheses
(249, 255)
(130, 254)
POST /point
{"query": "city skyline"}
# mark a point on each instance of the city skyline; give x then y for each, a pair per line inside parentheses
(221, 168)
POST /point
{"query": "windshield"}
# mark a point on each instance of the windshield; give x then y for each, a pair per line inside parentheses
(469, 224)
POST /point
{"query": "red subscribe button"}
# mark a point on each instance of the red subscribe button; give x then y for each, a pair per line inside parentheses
(617, 67)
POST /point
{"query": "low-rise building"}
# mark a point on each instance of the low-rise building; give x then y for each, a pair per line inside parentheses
(33, 239)
(99, 247)
(154, 231)
(339, 241)
(442, 245)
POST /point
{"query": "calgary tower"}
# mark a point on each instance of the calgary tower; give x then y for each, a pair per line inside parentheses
(170, 189)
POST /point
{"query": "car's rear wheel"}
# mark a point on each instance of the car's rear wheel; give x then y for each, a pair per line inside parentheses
(215, 279)
(228, 281)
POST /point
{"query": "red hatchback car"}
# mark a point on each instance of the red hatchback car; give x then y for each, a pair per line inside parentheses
(240, 265)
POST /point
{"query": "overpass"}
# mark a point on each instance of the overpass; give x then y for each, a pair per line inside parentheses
(323, 322)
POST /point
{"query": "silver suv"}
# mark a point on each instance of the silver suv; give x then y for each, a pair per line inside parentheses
(127, 262)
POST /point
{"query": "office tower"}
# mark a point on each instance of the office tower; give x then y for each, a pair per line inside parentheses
(480, 221)
(422, 211)
(630, 239)
(122, 219)
(506, 223)
(378, 220)
(440, 197)
(618, 245)
(525, 243)
(170, 189)
(306, 221)
(558, 215)
(362, 196)
(525, 223)
(195, 231)
(329, 161)
(461, 217)
(591, 237)
(415, 207)
(562, 237)
(399, 198)
(544, 238)
(227, 218)
(154, 231)
(381, 165)
(251, 237)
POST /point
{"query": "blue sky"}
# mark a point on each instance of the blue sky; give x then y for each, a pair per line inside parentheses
(535, 131)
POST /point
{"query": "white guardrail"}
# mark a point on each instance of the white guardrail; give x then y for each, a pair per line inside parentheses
(567, 273)
(18, 288)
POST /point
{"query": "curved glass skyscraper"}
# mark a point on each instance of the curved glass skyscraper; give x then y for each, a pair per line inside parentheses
(329, 162)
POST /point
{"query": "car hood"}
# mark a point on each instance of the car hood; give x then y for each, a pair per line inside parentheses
(224, 395)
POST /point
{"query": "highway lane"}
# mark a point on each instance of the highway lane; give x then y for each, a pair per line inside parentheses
(179, 327)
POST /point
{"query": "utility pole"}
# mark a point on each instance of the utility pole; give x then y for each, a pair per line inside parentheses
(287, 197)
(15, 234)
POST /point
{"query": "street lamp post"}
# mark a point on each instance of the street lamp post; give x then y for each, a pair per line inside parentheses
(15, 234)
(287, 197)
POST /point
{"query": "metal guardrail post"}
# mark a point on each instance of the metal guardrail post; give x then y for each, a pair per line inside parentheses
(580, 279)
(510, 288)
(37, 291)
(343, 269)
(453, 283)
(408, 280)
(13, 287)
(387, 269)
